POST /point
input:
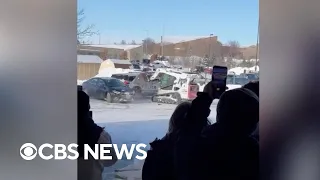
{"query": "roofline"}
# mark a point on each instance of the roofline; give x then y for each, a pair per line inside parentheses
(88, 49)
(101, 46)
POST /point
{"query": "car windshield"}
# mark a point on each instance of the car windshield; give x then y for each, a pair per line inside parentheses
(115, 83)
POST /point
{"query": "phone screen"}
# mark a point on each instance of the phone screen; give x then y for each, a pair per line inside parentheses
(219, 75)
(219, 79)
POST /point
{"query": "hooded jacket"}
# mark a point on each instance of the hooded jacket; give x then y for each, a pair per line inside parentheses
(227, 150)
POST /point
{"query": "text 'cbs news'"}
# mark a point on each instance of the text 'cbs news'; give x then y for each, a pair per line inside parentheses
(29, 151)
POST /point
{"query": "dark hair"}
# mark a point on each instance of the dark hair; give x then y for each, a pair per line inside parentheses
(83, 103)
(253, 86)
(178, 117)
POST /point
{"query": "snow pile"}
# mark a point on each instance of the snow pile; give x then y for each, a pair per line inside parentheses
(107, 72)
(240, 70)
(166, 63)
(79, 82)
(253, 68)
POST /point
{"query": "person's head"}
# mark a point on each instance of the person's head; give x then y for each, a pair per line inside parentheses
(178, 118)
(238, 110)
(253, 86)
(83, 104)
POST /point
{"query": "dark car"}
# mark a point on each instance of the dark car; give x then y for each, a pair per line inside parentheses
(135, 66)
(109, 89)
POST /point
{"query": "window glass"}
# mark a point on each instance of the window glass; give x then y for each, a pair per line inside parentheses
(117, 76)
(135, 66)
(131, 78)
(167, 82)
(115, 83)
(160, 75)
(125, 77)
(93, 82)
(101, 83)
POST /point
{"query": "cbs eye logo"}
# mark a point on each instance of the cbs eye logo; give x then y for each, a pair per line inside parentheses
(28, 151)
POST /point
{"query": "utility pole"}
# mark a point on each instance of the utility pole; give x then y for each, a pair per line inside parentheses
(162, 40)
(161, 46)
(189, 56)
(99, 38)
(147, 33)
(210, 44)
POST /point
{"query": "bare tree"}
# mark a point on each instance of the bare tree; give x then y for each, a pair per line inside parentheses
(149, 41)
(133, 42)
(246, 63)
(84, 31)
(233, 52)
(148, 45)
(205, 60)
(234, 49)
(185, 62)
(123, 42)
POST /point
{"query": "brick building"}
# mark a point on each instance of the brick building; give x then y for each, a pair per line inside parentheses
(130, 52)
(200, 47)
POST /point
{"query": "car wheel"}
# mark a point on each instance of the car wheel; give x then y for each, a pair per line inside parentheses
(108, 98)
(137, 90)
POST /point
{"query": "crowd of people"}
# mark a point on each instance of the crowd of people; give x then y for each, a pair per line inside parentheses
(192, 148)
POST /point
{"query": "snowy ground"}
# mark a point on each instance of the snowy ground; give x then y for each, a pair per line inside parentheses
(138, 122)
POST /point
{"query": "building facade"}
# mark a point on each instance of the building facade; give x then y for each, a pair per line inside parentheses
(130, 52)
(87, 66)
(135, 53)
(201, 47)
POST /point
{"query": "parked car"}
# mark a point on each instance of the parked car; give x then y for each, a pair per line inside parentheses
(241, 80)
(251, 76)
(127, 78)
(139, 82)
(135, 66)
(143, 86)
(108, 89)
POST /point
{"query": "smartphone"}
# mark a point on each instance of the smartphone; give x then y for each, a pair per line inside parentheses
(219, 80)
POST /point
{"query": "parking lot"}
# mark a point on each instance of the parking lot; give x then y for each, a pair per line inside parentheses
(138, 122)
(139, 110)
